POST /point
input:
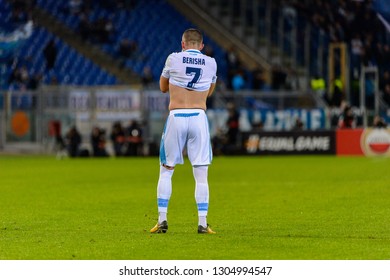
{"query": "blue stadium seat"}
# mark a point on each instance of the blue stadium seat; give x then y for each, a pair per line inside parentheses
(68, 65)
(145, 22)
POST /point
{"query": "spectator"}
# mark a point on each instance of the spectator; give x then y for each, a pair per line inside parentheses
(298, 125)
(318, 85)
(379, 122)
(232, 124)
(292, 80)
(102, 30)
(98, 142)
(258, 82)
(73, 141)
(279, 77)
(118, 138)
(127, 48)
(218, 142)
(347, 119)
(385, 79)
(134, 139)
(84, 27)
(50, 53)
(337, 96)
(386, 57)
(378, 54)
(24, 75)
(108, 31)
(14, 76)
(238, 81)
(356, 51)
(232, 59)
(369, 91)
(337, 33)
(34, 82)
(386, 94)
(19, 12)
(19, 78)
(233, 65)
(147, 76)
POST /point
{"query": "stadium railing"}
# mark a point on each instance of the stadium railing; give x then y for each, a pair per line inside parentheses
(87, 107)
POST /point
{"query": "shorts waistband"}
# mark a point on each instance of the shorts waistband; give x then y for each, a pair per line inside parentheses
(186, 112)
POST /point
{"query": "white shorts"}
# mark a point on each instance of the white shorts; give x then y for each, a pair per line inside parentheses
(186, 128)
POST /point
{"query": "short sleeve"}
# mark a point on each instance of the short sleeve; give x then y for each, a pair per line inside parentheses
(214, 78)
(166, 70)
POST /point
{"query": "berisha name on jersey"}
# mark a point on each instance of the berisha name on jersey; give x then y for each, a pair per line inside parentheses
(195, 61)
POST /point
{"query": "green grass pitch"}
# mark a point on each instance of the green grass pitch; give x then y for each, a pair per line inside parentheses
(279, 208)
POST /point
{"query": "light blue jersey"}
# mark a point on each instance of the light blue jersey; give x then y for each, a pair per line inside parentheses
(190, 69)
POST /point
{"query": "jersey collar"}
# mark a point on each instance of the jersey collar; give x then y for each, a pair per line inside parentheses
(192, 51)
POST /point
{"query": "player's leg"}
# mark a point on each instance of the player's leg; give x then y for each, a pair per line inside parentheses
(200, 155)
(202, 197)
(201, 192)
(164, 191)
(170, 154)
(198, 143)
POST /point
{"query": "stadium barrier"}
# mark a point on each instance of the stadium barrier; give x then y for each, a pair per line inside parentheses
(29, 117)
(289, 142)
(86, 107)
(342, 142)
(2, 130)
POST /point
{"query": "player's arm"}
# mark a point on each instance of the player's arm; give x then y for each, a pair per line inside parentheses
(211, 89)
(213, 81)
(164, 78)
(164, 84)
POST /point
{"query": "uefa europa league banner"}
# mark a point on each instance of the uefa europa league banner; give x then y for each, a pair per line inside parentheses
(368, 142)
(357, 142)
(289, 143)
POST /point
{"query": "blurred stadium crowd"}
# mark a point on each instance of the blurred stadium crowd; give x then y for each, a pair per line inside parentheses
(126, 31)
(137, 35)
(126, 141)
(357, 24)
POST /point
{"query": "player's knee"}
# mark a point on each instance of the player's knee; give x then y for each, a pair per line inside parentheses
(200, 173)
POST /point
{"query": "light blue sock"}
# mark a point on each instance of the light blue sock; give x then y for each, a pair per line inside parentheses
(164, 191)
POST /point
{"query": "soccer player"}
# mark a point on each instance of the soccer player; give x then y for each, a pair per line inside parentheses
(190, 78)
